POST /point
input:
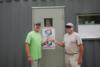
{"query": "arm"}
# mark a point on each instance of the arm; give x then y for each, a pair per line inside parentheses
(28, 53)
(81, 51)
(27, 49)
(59, 43)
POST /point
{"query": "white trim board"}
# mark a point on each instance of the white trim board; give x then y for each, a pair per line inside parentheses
(46, 7)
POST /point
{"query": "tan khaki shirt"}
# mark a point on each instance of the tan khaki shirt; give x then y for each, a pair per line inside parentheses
(71, 42)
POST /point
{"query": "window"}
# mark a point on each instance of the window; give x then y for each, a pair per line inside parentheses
(48, 22)
(89, 19)
(89, 26)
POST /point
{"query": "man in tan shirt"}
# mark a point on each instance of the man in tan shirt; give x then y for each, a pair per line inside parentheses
(73, 47)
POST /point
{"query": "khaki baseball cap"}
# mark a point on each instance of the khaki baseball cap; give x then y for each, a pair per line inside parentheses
(35, 23)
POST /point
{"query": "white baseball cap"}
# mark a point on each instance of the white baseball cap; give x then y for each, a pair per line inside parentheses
(69, 24)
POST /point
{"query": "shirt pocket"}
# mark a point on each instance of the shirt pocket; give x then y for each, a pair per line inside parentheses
(73, 41)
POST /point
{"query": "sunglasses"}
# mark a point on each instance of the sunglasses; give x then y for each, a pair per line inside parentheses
(68, 26)
(38, 24)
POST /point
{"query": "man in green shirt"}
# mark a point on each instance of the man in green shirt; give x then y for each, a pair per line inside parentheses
(33, 45)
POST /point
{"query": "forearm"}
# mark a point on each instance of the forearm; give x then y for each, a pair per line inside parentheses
(81, 51)
(27, 49)
(44, 43)
(60, 43)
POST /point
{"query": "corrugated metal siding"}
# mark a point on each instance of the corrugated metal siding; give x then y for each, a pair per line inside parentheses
(15, 22)
(91, 57)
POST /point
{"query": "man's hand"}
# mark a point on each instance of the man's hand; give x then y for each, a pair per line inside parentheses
(29, 59)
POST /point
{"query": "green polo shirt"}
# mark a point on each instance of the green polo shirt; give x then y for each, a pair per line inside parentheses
(34, 40)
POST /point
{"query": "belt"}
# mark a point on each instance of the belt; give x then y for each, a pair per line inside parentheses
(70, 53)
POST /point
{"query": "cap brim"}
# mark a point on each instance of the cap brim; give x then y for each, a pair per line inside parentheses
(37, 23)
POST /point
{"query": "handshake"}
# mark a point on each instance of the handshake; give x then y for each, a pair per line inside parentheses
(51, 39)
(55, 41)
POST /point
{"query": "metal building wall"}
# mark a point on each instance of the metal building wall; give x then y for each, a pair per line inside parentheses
(15, 22)
(91, 57)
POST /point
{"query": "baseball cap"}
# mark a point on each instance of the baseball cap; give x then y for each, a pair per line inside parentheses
(37, 23)
(69, 25)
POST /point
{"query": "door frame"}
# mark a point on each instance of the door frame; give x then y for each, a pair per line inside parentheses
(53, 7)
